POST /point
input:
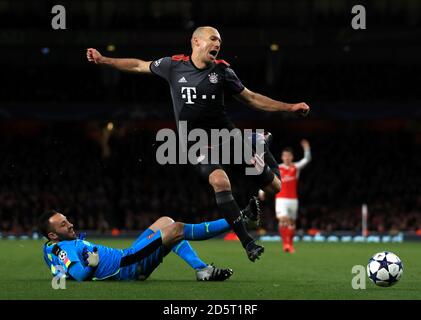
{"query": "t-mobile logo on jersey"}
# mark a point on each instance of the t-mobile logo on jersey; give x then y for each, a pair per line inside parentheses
(191, 94)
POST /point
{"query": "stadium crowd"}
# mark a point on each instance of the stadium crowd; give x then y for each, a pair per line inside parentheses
(63, 167)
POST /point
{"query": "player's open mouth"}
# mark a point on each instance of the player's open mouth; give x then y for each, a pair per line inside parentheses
(213, 53)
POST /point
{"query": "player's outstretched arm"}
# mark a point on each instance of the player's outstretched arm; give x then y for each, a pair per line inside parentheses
(122, 64)
(261, 102)
(305, 145)
(307, 155)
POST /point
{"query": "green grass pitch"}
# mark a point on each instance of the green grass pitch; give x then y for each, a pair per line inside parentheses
(315, 271)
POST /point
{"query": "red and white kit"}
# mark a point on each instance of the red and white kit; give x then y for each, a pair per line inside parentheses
(286, 203)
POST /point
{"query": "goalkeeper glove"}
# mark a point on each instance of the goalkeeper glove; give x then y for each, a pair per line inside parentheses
(91, 258)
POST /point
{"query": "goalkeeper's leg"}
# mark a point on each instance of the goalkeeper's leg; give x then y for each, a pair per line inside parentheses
(165, 229)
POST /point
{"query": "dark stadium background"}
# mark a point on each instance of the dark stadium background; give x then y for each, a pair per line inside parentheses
(362, 85)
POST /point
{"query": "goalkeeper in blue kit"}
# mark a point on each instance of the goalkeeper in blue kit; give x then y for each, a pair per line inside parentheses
(82, 260)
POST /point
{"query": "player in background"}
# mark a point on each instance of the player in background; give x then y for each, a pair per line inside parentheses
(286, 201)
(78, 259)
(198, 83)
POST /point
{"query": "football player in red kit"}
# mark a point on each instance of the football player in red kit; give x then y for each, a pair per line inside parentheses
(286, 201)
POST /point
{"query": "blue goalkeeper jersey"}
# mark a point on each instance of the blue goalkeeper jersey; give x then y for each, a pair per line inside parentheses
(60, 257)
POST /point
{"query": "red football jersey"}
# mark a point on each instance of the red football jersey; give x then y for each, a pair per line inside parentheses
(289, 178)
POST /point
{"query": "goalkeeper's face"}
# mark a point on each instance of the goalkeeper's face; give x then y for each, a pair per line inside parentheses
(61, 228)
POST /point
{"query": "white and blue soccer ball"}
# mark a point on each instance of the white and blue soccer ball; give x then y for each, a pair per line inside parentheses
(385, 269)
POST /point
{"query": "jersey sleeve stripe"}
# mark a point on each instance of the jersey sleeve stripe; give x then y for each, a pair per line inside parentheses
(180, 57)
(223, 62)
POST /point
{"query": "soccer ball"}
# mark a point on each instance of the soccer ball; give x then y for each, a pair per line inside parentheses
(384, 269)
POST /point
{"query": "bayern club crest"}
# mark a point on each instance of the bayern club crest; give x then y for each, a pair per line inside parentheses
(213, 77)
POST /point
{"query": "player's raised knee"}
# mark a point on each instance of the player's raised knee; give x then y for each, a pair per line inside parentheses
(161, 223)
(166, 220)
(219, 181)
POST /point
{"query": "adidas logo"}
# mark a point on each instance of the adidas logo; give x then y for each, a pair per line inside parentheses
(182, 80)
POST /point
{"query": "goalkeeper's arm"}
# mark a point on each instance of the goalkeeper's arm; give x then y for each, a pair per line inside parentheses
(81, 272)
